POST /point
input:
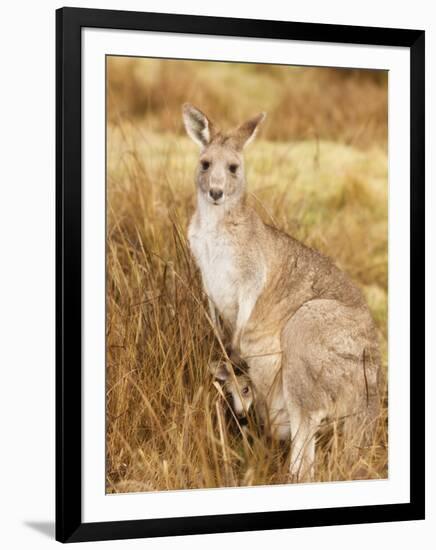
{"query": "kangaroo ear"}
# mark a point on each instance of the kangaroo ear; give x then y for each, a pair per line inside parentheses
(246, 132)
(198, 126)
(219, 370)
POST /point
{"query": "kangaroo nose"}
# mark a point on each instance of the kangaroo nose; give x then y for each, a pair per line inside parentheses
(243, 420)
(216, 194)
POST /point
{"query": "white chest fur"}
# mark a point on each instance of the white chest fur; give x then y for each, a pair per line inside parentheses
(216, 257)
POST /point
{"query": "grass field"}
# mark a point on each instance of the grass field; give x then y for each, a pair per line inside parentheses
(318, 170)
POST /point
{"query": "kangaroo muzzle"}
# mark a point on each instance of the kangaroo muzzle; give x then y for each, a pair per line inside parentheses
(243, 420)
(215, 193)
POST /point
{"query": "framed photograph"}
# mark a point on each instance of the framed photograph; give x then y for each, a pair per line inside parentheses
(240, 274)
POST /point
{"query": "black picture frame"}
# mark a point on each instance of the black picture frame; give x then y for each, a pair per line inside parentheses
(69, 525)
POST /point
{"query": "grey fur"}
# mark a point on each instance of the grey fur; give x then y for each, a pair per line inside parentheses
(302, 326)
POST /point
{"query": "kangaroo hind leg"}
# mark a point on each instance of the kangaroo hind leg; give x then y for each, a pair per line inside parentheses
(303, 431)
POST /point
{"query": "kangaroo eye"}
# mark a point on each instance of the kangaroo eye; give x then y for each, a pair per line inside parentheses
(245, 390)
(233, 168)
(205, 164)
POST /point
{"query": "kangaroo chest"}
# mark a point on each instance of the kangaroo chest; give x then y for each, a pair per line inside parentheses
(217, 259)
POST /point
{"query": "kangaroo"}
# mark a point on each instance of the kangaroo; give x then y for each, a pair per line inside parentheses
(237, 383)
(301, 325)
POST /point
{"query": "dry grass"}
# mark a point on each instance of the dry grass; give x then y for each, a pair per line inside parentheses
(168, 427)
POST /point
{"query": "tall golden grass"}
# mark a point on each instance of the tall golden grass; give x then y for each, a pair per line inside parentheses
(318, 171)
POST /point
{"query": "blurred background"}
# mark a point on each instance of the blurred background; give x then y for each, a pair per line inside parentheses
(346, 105)
(317, 170)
